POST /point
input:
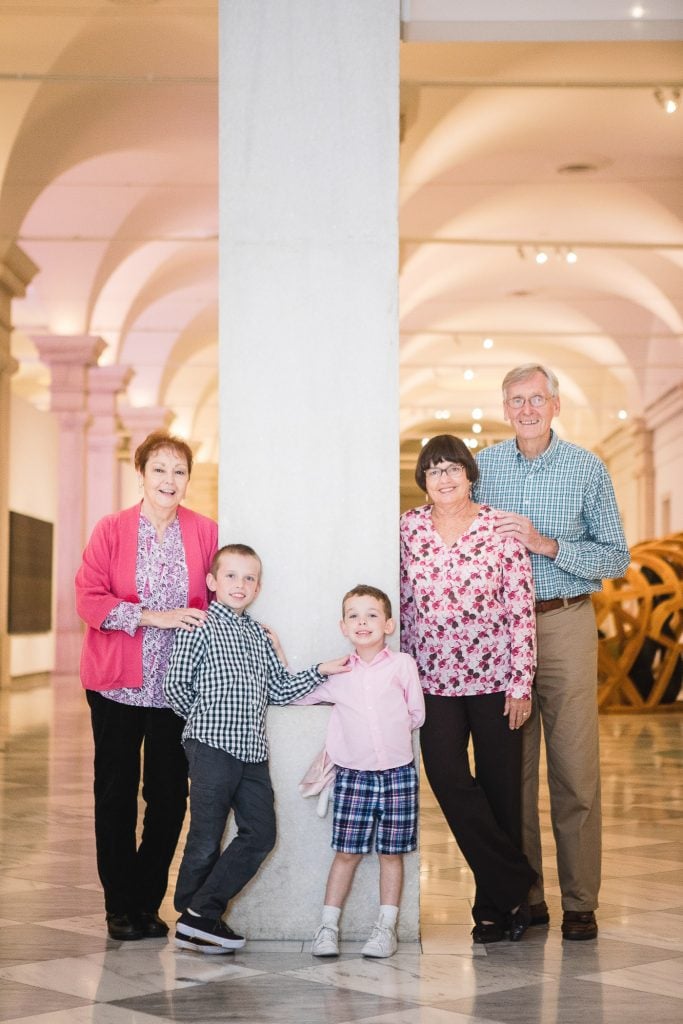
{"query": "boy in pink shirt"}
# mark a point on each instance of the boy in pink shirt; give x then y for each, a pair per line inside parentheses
(377, 704)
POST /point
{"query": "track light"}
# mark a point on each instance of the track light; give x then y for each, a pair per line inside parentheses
(541, 256)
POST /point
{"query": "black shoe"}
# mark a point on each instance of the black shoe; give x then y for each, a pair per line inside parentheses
(151, 925)
(488, 932)
(519, 921)
(123, 928)
(539, 913)
(209, 930)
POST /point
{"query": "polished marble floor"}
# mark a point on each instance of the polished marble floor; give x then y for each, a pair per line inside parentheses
(57, 966)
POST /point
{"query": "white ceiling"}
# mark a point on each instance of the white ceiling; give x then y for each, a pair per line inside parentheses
(108, 181)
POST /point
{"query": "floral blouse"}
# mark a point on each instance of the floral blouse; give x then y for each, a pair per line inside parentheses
(162, 583)
(467, 612)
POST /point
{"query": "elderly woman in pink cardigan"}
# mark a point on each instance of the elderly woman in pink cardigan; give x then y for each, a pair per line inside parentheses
(143, 576)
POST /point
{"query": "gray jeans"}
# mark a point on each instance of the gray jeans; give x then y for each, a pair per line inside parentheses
(220, 783)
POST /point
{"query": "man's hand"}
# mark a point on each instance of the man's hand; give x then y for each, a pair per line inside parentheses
(525, 531)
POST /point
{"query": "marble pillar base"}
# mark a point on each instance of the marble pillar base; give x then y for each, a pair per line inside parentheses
(285, 898)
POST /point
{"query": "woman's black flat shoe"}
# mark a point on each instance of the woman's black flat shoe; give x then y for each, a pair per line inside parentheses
(487, 933)
(519, 922)
(151, 925)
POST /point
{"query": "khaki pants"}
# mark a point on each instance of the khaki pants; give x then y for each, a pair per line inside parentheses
(565, 706)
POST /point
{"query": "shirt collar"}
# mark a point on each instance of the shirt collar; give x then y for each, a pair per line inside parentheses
(385, 653)
(228, 613)
(544, 457)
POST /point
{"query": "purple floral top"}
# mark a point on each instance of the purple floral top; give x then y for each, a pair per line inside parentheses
(162, 583)
(467, 612)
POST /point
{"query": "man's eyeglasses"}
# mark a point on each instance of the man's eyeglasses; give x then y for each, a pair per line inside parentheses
(536, 401)
(452, 472)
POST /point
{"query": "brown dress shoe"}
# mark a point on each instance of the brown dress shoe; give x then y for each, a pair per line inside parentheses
(539, 913)
(579, 924)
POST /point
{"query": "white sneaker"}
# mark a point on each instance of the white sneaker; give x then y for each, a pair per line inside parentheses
(325, 941)
(382, 942)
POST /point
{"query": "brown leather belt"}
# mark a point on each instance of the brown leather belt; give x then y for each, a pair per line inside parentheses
(559, 602)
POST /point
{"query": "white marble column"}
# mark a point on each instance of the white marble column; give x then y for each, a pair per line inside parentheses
(103, 477)
(69, 358)
(16, 271)
(309, 371)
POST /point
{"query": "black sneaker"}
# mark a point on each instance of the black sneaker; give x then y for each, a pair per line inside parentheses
(208, 929)
(200, 946)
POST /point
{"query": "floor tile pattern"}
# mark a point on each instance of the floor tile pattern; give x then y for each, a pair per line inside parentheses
(58, 967)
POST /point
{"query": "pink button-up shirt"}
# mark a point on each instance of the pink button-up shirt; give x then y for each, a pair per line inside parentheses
(376, 707)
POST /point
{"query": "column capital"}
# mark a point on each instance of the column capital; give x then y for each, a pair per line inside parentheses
(142, 420)
(69, 349)
(8, 364)
(104, 383)
(17, 270)
(68, 356)
(109, 379)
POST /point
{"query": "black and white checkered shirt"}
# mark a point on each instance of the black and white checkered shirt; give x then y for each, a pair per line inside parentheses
(221, 678)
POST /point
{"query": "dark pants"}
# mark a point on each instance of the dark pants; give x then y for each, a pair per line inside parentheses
(220, 783)
(483, 812)
(135, 877)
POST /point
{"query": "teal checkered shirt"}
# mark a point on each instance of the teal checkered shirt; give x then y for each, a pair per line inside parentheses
(567, 494)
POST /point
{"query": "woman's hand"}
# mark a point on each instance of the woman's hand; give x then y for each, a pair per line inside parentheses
(518, 711)
(176, 618)
(332, 668)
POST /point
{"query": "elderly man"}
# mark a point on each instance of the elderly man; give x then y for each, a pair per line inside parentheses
(559, 500)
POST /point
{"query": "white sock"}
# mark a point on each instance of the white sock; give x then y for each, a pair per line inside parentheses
(331, 915)
(388, 916)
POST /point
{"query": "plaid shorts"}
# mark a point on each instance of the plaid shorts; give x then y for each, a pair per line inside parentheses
(386, 800)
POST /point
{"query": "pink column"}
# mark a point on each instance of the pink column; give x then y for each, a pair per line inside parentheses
(103, 481)
(69, 358)
(138, 422)
(16, 271)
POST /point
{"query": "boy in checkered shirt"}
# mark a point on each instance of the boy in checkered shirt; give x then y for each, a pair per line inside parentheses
(221, 678)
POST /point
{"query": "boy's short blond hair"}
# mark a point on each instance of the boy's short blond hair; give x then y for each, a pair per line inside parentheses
(364, 590)
(233, 549)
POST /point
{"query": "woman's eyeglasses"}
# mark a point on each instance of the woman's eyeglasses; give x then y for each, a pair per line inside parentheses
(452, 472)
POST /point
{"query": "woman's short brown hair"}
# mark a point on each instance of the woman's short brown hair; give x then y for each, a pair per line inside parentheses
(445, 448)
(157, 440)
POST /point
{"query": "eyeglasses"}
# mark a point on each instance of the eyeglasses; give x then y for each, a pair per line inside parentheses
(452, 472)
(536, 401)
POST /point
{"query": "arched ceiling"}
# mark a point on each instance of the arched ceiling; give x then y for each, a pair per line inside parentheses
(510, 148)
(108, 181)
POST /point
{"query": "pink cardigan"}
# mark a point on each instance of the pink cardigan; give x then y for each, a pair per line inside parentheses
(111, 659)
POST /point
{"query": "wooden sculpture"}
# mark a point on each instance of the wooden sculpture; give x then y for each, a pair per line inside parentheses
(640, 626)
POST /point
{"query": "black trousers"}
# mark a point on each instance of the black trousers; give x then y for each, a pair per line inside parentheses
(483, 811)
(209, 877)
(135, 876)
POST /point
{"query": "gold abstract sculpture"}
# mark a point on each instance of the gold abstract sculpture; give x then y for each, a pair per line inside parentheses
(640, 626)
